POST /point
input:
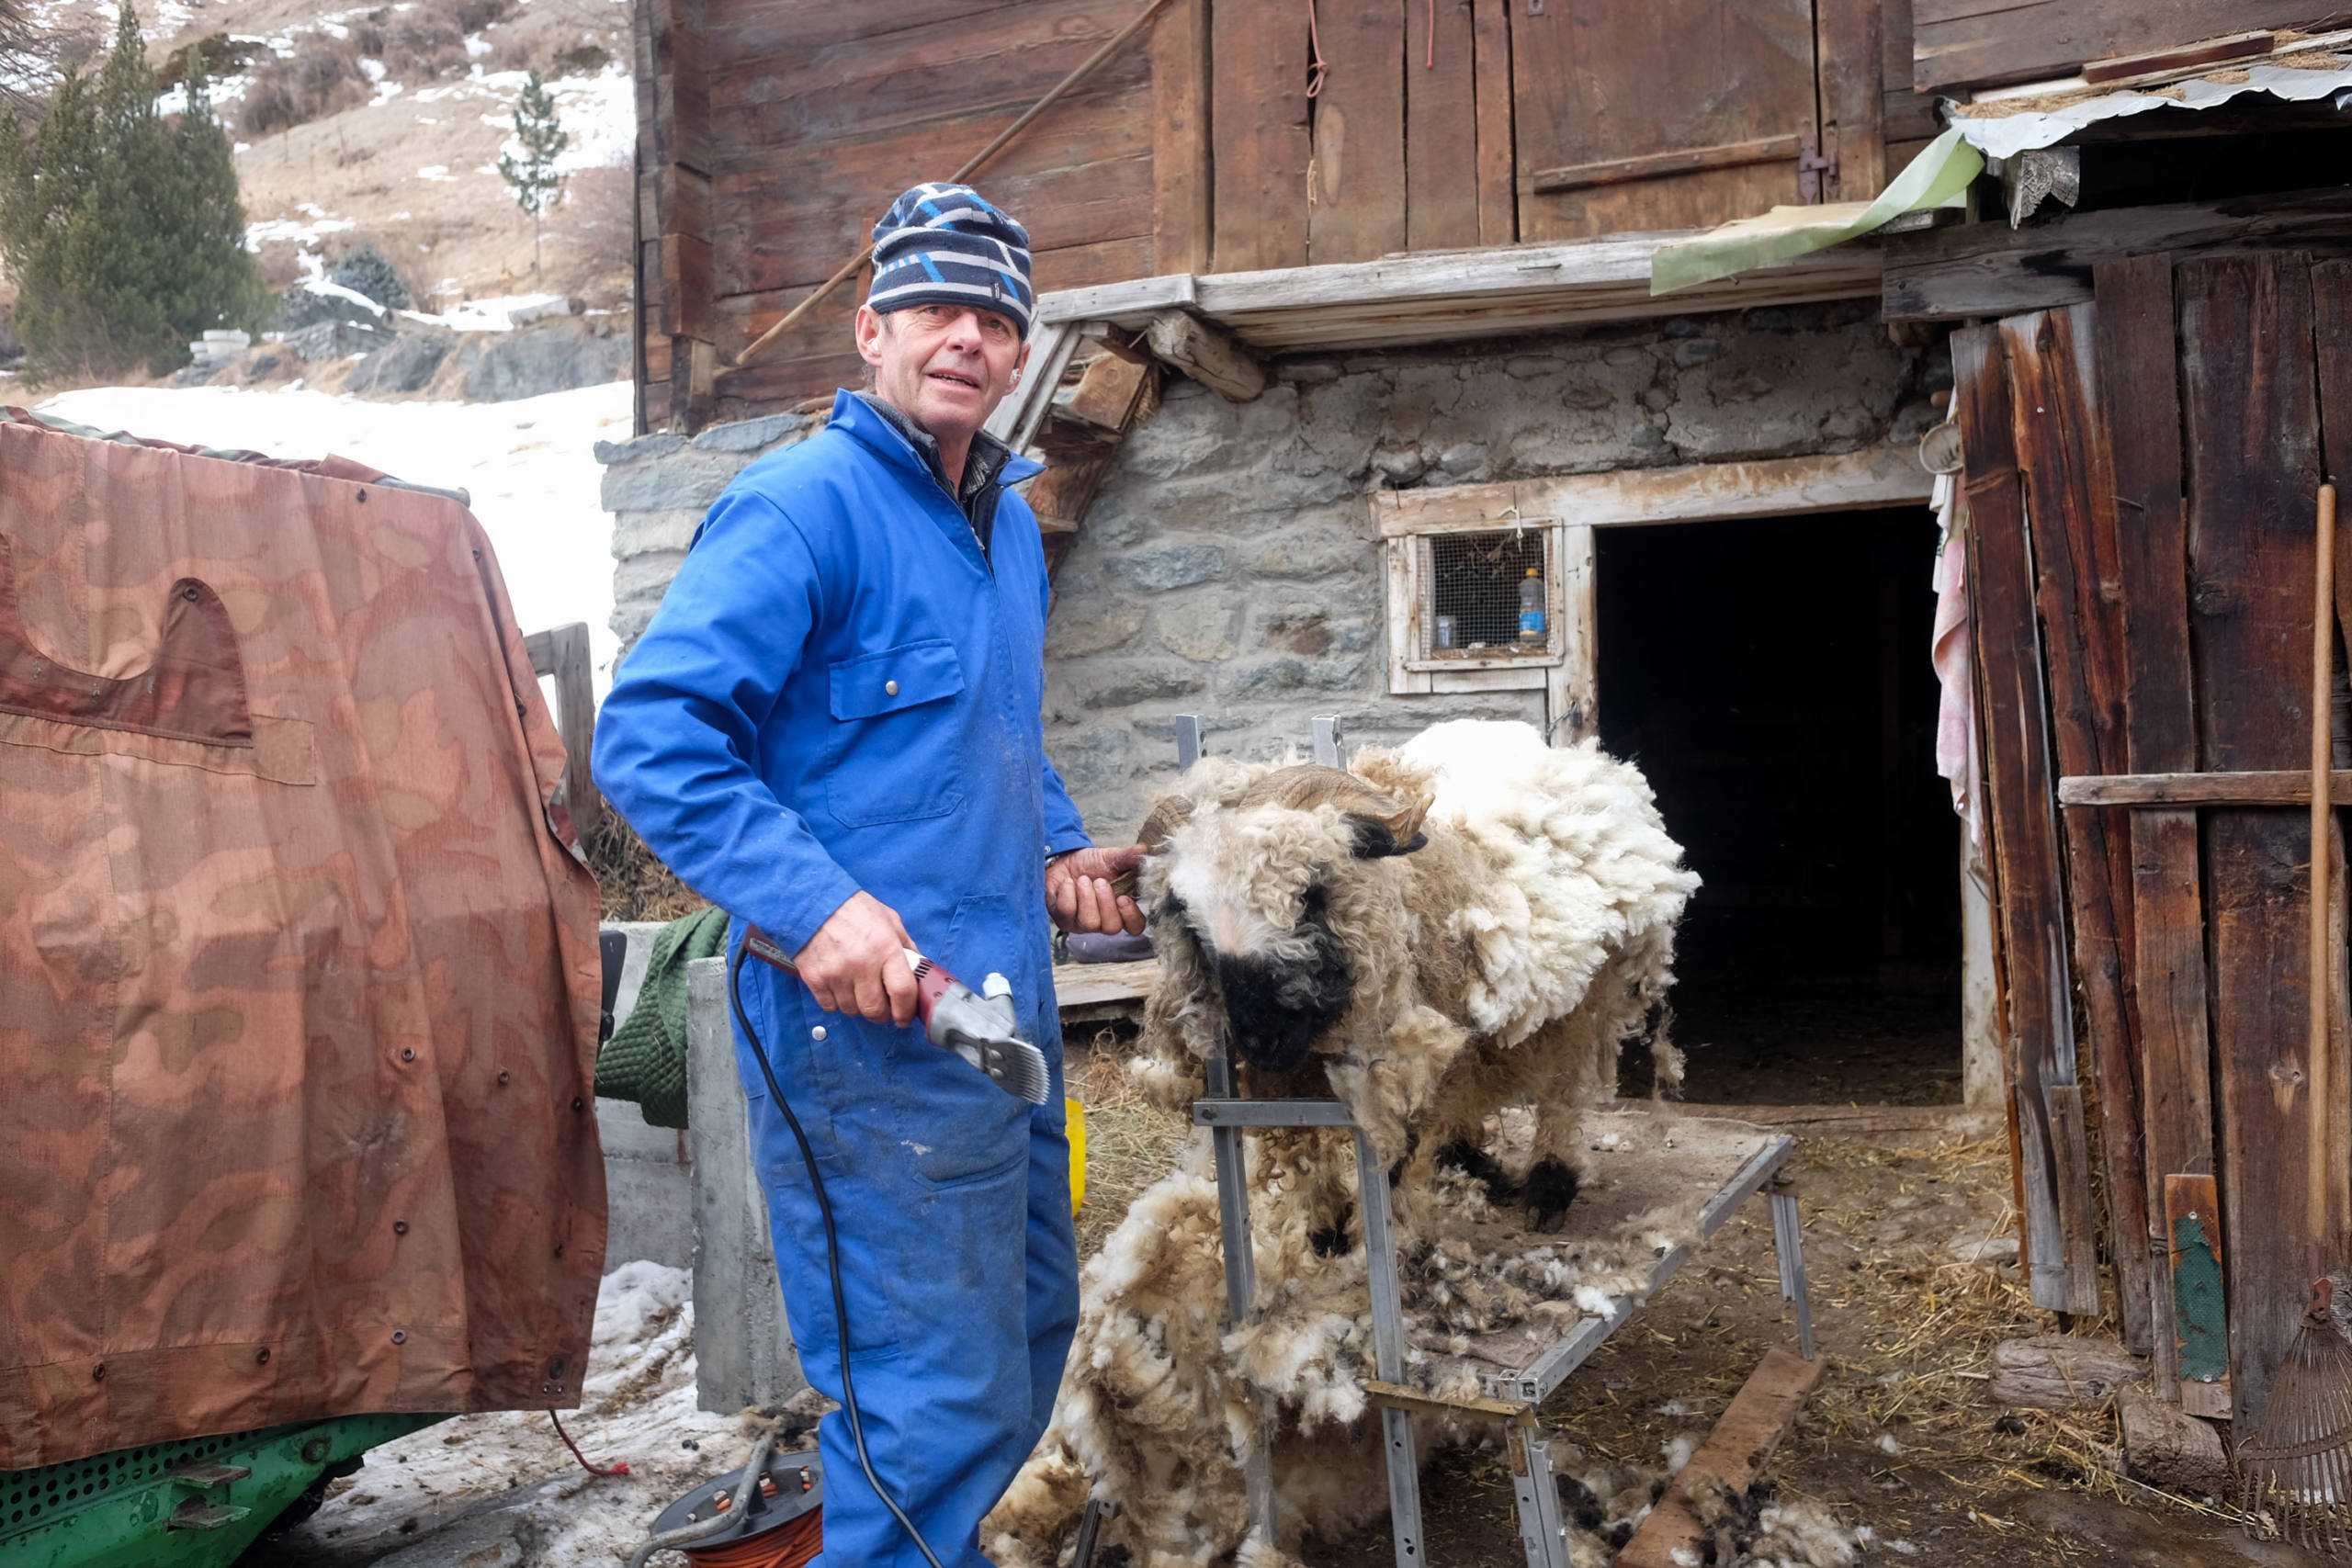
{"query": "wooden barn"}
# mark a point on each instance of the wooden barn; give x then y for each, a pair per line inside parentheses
(1347, 323)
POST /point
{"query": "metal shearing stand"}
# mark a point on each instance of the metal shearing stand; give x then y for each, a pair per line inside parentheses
(1642, 1160)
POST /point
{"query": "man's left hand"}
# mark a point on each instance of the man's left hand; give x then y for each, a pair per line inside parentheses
(1078, 893)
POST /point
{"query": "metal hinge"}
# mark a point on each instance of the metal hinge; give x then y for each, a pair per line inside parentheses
(1812, 163)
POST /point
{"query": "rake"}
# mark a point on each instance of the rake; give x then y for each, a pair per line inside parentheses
(2295, 1471)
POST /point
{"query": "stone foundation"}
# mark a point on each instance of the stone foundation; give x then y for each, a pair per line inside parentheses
(1229, 567)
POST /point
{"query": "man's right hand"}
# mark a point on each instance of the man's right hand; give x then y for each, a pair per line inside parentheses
(857, 963)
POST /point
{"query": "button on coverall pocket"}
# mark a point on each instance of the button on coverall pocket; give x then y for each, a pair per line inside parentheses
(893, 753)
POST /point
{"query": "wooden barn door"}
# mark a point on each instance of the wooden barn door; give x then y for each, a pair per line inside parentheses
(2141, 479)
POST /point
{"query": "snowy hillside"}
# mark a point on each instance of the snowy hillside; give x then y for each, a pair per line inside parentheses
(530, 466)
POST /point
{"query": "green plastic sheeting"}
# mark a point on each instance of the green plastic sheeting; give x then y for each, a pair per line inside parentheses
(1939, 176)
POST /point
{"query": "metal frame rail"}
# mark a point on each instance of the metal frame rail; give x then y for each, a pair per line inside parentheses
(1510, 1397)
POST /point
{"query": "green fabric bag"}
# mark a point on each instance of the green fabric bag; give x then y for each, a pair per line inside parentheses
(645, 1061)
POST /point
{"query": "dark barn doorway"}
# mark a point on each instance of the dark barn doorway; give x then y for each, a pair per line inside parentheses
(1771, 678)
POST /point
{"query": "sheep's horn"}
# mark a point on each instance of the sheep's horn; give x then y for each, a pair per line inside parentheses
(1167, 813)
(1307, 786)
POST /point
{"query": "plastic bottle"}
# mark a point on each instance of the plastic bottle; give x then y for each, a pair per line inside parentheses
(1531, 608)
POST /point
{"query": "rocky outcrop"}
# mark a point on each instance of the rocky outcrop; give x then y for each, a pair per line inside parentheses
(547, 357)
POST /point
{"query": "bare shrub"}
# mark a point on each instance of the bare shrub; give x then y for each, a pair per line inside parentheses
(472, 15)
(582, 60)
(278, 266)
(323, 77)
(423, 43)
(594, 218)
(368, 38)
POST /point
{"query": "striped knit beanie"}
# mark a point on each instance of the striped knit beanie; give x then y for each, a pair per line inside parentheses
(943, 245)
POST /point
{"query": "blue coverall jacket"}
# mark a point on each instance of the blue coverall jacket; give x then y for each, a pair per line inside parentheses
(842, 691)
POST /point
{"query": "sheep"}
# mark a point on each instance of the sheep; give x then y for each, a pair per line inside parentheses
(1475, 920)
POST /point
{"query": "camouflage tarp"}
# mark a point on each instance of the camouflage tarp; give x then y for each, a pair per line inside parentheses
(298, 970)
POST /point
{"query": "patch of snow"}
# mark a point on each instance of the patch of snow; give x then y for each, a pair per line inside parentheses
(477, 45)
(536, 492)
(373, 69)
(274, 231)
(492, 315)
(436, 171)
(638, 1405)
(336, 290)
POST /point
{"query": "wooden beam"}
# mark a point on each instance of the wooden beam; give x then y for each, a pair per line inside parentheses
(2055, 407)
(1849, 57)
(2285, 786)
(1984, 42)
(1761, 1414)
(1091, 985)
(1771, 486)
(2212, 52)
(1497, 151)
(1650, 166)
(1990, 269)
(1440, 127)
(1446, 296)
(1206, 355)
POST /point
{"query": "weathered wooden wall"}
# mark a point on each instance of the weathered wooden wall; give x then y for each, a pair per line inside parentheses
(2140, 475)
(1984, 43)
(773, 132)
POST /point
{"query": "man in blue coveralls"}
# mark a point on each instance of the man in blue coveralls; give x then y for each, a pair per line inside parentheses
(831, 730)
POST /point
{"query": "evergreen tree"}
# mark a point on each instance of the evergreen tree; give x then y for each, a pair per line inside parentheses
(125, 235)
(533, 175)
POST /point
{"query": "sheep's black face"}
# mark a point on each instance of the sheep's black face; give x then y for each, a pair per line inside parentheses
(1278, 1005)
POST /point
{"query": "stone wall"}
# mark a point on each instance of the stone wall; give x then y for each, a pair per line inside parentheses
(1229, 567)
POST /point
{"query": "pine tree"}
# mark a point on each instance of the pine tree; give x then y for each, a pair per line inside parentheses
(124, 234)
(533, 175)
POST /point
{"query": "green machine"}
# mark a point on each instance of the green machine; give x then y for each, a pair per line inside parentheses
(198, 1503)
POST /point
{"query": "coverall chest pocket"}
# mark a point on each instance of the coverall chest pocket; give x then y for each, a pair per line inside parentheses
(893, 752)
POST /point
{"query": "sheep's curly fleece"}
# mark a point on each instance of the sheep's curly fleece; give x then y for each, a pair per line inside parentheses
(1512, 958)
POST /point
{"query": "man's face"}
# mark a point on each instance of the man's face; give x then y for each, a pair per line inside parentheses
(946, 367)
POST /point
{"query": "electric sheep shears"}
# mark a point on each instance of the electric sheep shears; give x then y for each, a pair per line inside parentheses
(979, 1027)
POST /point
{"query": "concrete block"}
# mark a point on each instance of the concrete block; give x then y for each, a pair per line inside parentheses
(744, 1347)
(648, 1189)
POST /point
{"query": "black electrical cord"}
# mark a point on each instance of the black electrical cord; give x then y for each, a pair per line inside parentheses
(832, 1259)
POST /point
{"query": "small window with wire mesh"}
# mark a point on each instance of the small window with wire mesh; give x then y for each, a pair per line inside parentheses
(1472, 594)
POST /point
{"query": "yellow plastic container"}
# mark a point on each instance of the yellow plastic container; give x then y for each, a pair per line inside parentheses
(1077, 1114)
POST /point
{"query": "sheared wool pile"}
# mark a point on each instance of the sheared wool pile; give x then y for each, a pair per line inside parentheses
(1505, 961)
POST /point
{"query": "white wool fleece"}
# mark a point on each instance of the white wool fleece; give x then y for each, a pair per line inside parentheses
(1580, 858)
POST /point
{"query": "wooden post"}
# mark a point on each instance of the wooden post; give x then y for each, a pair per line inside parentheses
(562, 653)
(2252, 425)
(2071, 509)
(1180, 139)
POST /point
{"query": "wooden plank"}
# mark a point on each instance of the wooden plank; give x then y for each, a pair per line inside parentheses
(1259, 135)
(1979, 43)
(1090, 985)
(1180, 139)
(2233, 46)
(2055, 412)
(1650, 166)
(1759, 1415)
(1990, 269)
(1442, 127)
(848, 92)
(1572, 687)
(2273, 786)
(1497, 150)
(2136, 349)
(749, 29)
(1599, 80)
(1771, 487)
(2018, 774)
(562, 653)
(2252, 424)
(1824, 1121)
(1079, 175)
(2077, 1217)
(2331, 285)
(1849, 49)
(1356, 191)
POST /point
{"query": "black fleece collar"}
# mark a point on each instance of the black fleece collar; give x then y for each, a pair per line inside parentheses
(977, 497)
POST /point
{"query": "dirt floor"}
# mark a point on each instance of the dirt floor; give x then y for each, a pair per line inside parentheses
(1765, 1043)
(1910, 1245)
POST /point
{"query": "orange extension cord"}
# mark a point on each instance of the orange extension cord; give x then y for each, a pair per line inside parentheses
(790, 1546)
